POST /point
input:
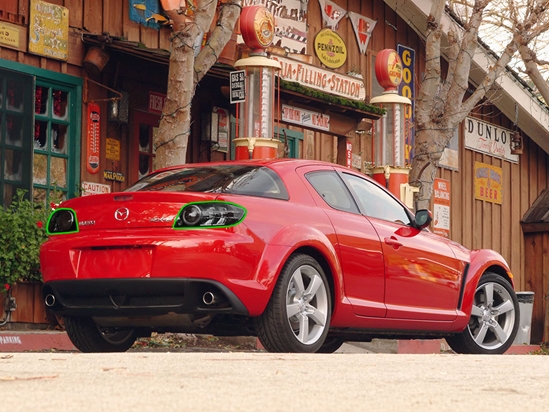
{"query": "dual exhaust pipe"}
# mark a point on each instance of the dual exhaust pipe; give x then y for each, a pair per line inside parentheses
(49, 300)
(209, 298)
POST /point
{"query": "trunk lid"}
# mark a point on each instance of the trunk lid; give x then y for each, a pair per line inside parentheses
(131, 210)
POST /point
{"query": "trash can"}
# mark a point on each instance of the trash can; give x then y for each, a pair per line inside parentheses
(526, 305)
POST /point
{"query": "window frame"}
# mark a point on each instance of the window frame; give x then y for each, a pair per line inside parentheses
(73, 86)
(377, 187)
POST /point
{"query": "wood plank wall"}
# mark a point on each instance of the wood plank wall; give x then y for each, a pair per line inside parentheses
(474, 223)
(480, 224)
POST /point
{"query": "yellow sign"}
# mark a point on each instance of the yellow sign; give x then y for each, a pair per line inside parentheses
(9, 35)
(488, 183)
(112, 148)
(330, 48)
(49, 30)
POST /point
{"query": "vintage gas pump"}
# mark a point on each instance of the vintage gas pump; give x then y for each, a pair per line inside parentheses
(255, 115)
(390, 131)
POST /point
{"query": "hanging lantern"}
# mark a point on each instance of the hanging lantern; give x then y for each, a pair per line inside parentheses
(516, 138)
(516, 143)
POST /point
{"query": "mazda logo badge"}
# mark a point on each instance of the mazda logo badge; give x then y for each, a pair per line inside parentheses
(122, 213)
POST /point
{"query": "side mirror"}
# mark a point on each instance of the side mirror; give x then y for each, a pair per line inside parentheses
(423, 219)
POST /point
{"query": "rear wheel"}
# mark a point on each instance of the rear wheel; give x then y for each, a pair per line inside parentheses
(297, 317)
(87, 336)
(494, 319)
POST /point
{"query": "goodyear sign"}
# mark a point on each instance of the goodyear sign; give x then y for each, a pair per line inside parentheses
(407, 89)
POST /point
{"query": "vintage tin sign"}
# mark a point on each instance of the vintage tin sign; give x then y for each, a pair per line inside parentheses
(330, 49)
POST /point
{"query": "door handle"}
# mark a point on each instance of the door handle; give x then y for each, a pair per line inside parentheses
(392, 241)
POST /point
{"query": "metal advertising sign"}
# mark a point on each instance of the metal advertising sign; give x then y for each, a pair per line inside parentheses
(307, 118)
(330, 49)
(9, 35)
(489, 138)
(324, 80)
(156, 102)
(93, 138)
(238, 86)
(112, 149)
(488, 183)
(112, 175)
(407, 89)
(49, 30)
(441, 209)
(91, 188)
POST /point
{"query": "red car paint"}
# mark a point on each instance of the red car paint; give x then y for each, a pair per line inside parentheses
(385, 276)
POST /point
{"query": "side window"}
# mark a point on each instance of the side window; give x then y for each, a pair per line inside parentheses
(376, 202)
(331, 188)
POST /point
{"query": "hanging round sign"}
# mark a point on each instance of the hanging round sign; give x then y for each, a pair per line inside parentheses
(330, 48)
(388, 69)
(257, 27)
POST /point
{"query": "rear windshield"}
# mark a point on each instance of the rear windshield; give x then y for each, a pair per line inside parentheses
(236, 179)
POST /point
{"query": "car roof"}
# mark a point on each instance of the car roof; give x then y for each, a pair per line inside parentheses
(273, 163)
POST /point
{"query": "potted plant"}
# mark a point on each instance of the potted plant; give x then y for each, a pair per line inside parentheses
(22, 231)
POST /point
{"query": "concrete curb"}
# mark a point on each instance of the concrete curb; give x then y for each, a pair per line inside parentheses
(22, 341)
(39, 340)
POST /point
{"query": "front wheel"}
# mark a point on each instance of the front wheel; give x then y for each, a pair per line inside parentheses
(297, 317)
(494, 320)
(330, 345)
(88, 337)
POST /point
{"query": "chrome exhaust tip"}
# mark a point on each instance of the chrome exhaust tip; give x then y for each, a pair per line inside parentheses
(49, 300)
(209, 298)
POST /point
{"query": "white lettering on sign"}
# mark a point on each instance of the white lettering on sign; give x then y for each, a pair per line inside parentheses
(305, 118)
(156, 102)
(90, 188)
(321, 79)
(12, 340)
(488, 138)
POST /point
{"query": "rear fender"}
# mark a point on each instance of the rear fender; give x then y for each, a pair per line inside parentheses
(283, 245)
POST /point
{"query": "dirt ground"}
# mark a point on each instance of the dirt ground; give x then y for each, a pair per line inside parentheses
(201, 343)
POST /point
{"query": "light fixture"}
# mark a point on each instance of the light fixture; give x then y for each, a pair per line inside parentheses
(516, 143)
(516, 138)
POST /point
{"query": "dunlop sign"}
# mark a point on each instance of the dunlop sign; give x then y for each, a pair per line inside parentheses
(489, 138)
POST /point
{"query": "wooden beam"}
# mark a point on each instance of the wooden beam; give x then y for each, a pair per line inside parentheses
(534, 227)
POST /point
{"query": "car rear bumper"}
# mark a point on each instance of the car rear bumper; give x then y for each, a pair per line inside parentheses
(140, 297)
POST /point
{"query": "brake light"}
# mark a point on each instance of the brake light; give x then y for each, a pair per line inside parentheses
(209, 214)
(62, 221)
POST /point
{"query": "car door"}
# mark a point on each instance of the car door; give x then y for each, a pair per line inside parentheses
(422, 274)
(358, 244)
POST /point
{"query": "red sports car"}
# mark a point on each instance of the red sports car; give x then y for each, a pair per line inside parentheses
(303, 254)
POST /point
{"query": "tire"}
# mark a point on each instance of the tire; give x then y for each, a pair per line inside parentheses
(297, 317)
(330, 345)
(494, 320)
(88, 337)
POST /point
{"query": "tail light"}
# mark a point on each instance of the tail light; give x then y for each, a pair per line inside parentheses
(208, 215)
(62, 221)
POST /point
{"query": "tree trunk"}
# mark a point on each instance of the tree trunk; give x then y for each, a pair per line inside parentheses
(175, 125)
(429, 146)
(189, 22)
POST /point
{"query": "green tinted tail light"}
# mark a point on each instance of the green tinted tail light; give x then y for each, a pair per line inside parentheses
(208, 215)
(62, 221)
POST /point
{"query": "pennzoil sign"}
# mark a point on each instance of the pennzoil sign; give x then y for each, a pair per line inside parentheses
(330, 48)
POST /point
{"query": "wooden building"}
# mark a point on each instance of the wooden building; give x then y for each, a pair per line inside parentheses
(87, 79)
